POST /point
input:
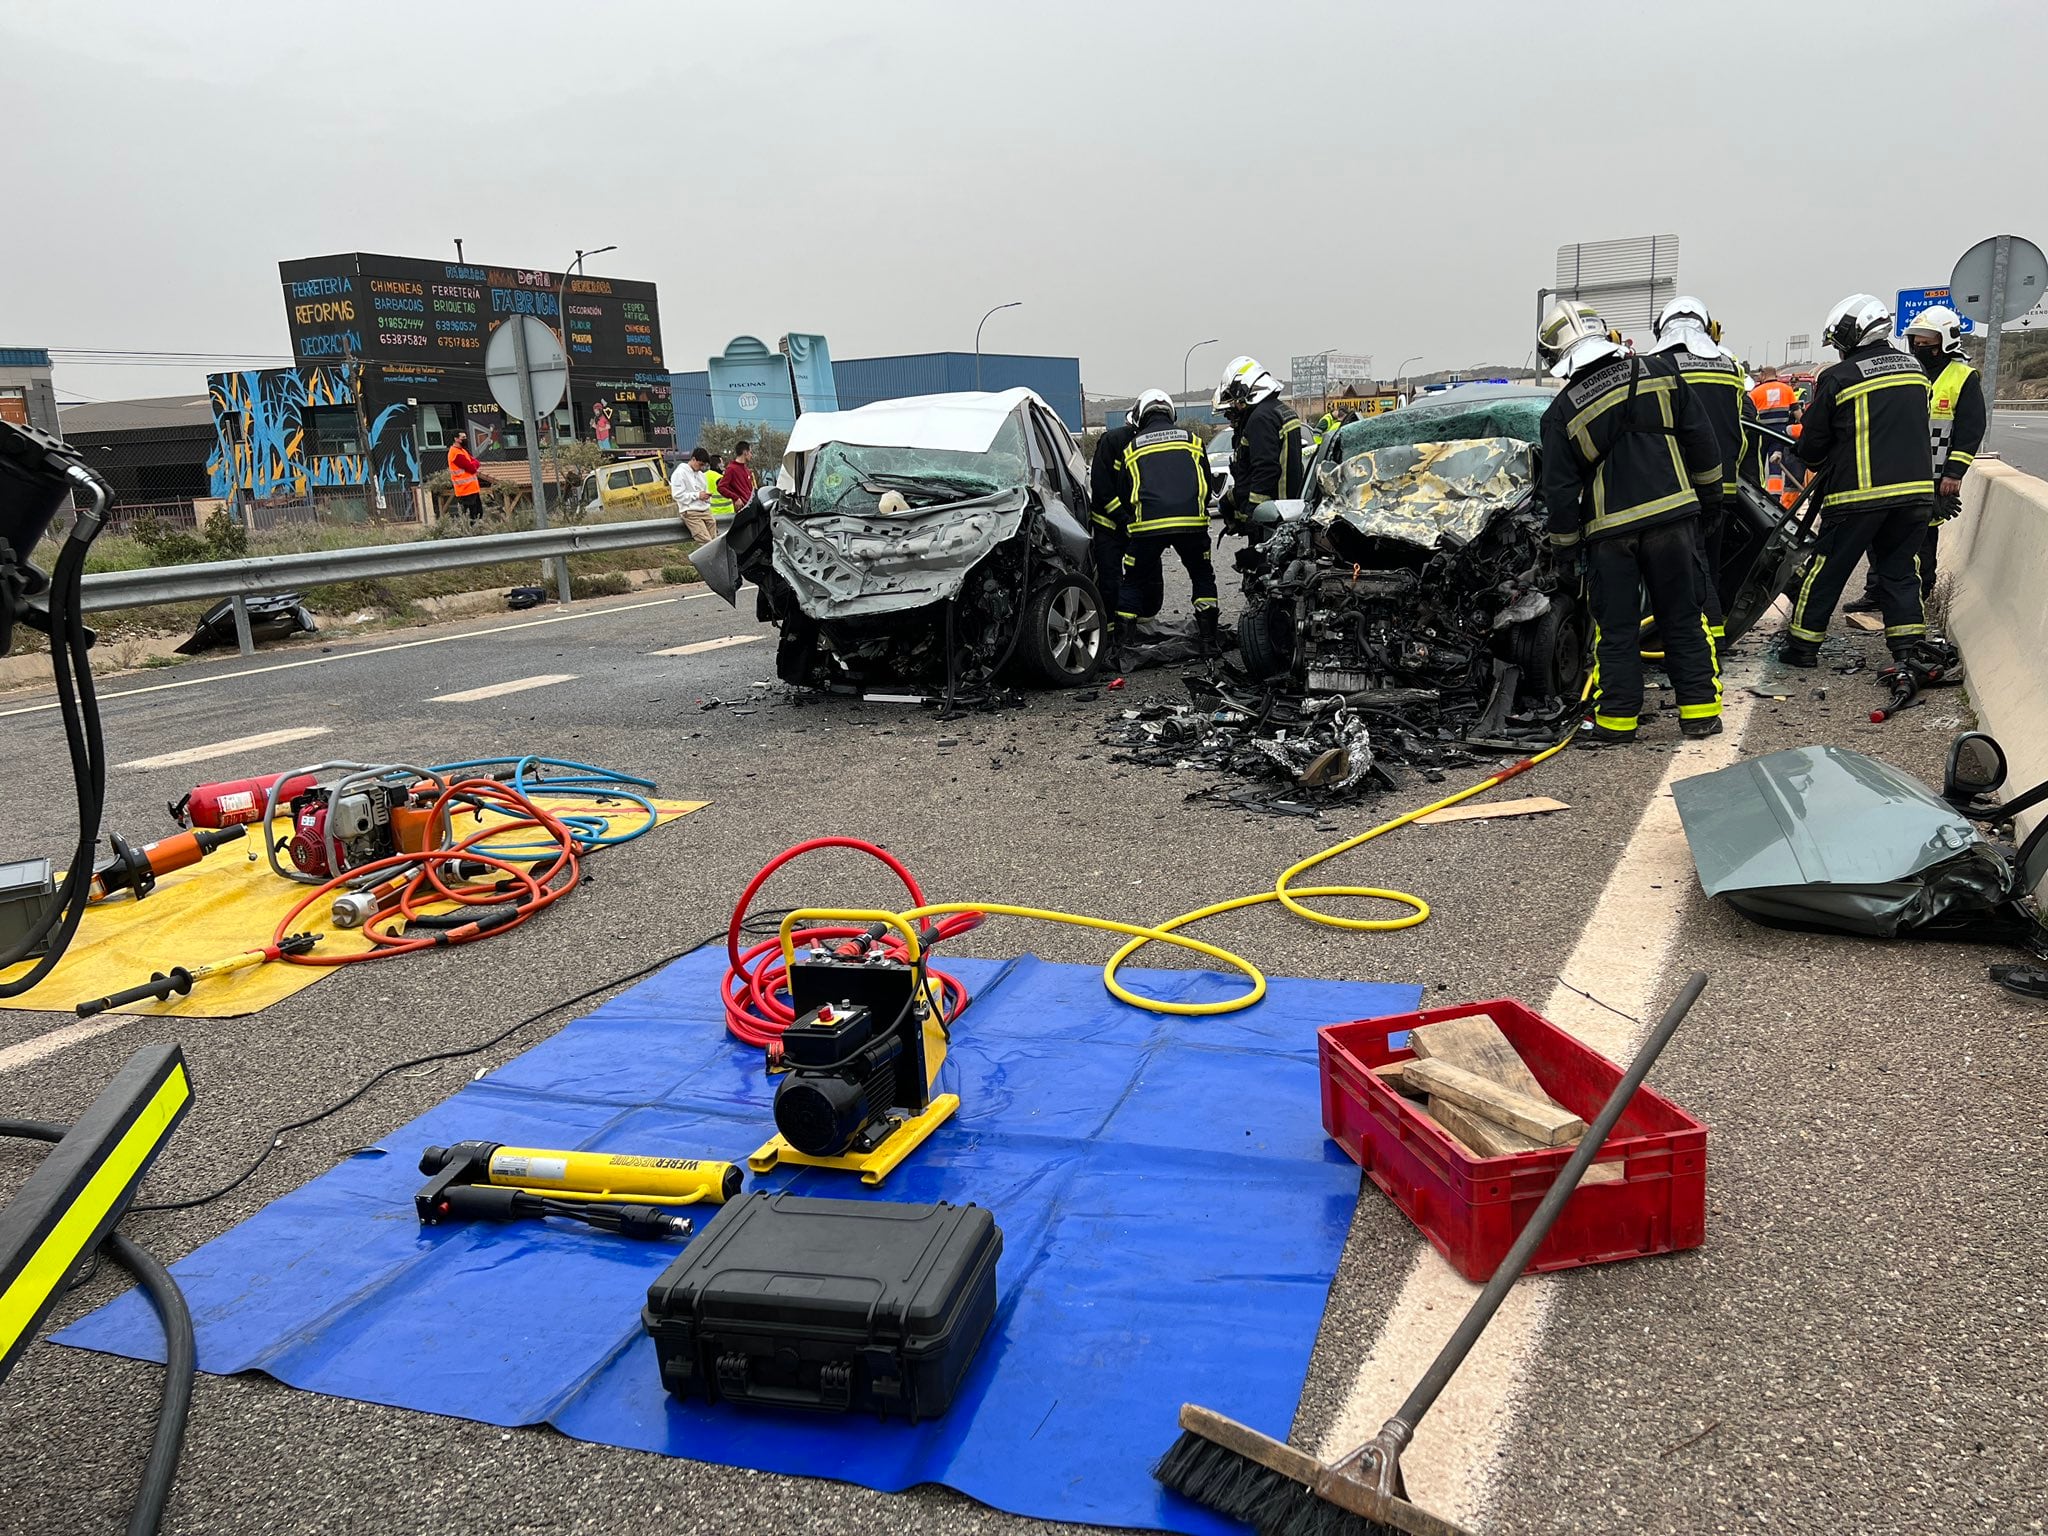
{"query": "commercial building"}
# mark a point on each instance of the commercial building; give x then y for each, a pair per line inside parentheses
(155, 453)
(388, 365)
(27, 397)
(863, 380)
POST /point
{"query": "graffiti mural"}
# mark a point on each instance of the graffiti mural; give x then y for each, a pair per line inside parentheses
(260, 438)
(259, 432)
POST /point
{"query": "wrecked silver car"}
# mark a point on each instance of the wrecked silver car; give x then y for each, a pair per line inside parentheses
(1414, 572)
(940, 540)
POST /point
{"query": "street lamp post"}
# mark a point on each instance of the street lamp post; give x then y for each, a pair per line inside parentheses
(1403, 372)
(1188, 354)
(1013, 304)
(568, 362)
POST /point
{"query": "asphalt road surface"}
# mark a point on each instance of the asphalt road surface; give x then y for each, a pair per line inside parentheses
(2021, 439)
(1857, 1347)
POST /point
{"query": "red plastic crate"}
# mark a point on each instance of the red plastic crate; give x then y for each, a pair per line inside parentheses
(1472, 1208)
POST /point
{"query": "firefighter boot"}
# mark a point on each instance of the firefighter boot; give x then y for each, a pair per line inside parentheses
(1205, 628)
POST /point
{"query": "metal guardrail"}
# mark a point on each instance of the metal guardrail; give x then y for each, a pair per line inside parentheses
(260, 575)
(2019, 405)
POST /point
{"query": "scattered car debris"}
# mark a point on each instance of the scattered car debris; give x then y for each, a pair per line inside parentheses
(1825, 838)
(277, 617)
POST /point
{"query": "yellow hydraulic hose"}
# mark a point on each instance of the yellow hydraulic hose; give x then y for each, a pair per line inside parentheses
(1284, 891)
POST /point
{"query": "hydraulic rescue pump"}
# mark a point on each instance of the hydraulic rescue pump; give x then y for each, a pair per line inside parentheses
(857, 1063)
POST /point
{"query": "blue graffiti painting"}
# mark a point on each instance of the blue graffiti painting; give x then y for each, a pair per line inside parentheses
(394, 460)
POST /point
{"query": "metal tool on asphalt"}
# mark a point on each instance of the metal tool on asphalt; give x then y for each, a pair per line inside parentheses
(135, 870)
(178, 980)
(1235, 1470)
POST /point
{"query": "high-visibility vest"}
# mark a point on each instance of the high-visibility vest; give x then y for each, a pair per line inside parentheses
(1941, 408)
(721, 506)
(463, 481)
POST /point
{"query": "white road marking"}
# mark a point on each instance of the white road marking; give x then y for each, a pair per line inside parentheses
(375, 650)
(1460, 1448)
(700, 646)
(494, 690)
(30, 1051)
(228, 748)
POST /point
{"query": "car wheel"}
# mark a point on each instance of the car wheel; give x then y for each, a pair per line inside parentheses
(1063, 632)
(1265, 640)
(1551, 651)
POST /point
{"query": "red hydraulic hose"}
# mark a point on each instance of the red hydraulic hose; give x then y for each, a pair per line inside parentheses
(757, 1008)
(535, 883)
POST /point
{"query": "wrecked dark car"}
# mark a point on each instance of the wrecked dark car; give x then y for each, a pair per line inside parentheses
(940, 541)
(1828, 839)
(1413, 572)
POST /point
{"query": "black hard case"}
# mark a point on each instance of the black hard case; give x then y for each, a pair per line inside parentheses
(843, 1306)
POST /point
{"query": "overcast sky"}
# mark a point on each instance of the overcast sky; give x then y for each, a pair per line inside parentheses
(1383, 178)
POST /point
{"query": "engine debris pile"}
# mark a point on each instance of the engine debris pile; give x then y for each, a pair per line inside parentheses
(1294, 753)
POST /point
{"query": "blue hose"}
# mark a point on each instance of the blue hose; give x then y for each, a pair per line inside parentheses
(575, 780)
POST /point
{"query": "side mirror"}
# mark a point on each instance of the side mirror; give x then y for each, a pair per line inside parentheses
(1976, 767)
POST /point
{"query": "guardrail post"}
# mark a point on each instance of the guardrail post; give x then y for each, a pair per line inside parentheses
(244, 641)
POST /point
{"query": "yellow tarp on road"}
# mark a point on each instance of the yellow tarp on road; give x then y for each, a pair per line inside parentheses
(225, 904)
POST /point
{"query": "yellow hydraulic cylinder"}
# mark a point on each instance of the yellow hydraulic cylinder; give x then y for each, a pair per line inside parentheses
(607, 1175)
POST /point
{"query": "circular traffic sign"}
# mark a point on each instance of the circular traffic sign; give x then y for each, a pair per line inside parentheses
(2026, 279)
(547, 369)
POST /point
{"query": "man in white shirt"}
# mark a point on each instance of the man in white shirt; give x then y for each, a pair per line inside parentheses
(693, 495)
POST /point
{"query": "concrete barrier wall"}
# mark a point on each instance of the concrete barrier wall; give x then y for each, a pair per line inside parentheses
(1996, 551)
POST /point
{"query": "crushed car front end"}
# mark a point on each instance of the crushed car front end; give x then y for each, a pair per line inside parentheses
(1415, 573)
(920, 562)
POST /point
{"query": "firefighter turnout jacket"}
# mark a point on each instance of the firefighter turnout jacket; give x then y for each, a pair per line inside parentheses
(1164, 483)
(1265, 456)
(1105, 479)
(1866, 429)
(1955, 418)
(1717, 383)
(1626, 444)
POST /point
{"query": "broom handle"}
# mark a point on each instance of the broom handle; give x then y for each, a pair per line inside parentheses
(1453, 1354)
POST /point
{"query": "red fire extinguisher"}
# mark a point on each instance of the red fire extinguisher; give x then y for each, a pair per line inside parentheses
(234, 802)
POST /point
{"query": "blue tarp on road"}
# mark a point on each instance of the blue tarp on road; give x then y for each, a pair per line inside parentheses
(1172, 1217)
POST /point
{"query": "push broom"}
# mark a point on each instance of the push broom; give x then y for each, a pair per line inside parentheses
(1281, 1491)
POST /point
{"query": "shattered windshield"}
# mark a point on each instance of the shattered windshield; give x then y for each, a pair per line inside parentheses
(1426, 493)
(855, 478)
(1429, 474)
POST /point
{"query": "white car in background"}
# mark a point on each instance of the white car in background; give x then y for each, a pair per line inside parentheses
(1219, 463)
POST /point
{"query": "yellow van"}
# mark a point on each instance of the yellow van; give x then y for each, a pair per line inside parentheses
(625, 484)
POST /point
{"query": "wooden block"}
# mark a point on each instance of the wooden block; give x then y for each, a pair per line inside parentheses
(1498, 1141)
(1432, 1117)
(1491, 1139)
(1548, 1123)
(1476, 1044)
(1486, 810)
(1870, 622)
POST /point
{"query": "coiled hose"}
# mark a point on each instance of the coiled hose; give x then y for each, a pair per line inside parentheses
(757, 1010)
